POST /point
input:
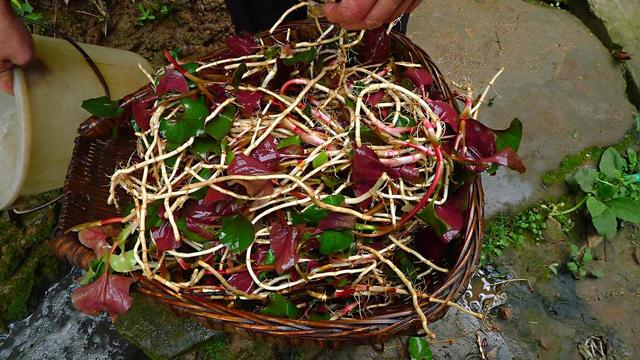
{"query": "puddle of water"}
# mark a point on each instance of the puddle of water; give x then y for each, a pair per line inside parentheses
(56, 330)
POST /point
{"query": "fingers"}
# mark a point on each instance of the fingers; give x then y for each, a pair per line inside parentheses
(367, 14)
(6, 77)
(348, 12)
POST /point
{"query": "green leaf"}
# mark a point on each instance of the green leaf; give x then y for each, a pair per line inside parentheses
(574, 251)
(606, 223)
(605, 190)
(307, 111)
(419, 349)
(236, 233)
(124, 262)
(202, 147)
(403, 121)
(357, 88)
(314, 214)
(122, 237)
(587, 256)
(289, 141)
(280, 306)
(572, 267)
(272, 52)
(195, 111)
(595, 206)
(102, 107)
(95, 270)
(237, 75)
(429, 216)
(319, 160)
(626, 209)
(632, 156)
(270, 259)
(334, 241)
(510, 137)
(220, 126)
(201, 193)
(586, 178)
(611, 163)
(152, 219)
(184, 230)
(304, 57)
(597, 273)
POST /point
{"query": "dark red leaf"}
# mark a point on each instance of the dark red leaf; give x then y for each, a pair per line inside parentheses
(172, 80)
(430, 245)
(407, 172)
(284, 243)
(367, 169)
(200, 212)
(205, 231)
(622, 55)
(246, 165)
(375, 46)
(96, 238)
(452, 216)
(107, 293)
(479, 139)
(507, 157)
(446, 112)
(241, 281)
(267, 153)
(142, 112)
(259, 253)
(242, 45)
(164, 237)
(337, 221)
(419, 77)
(213, 196)
(249, 101)
(372, 99)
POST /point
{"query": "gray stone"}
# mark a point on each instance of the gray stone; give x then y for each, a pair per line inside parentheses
(158, 331)
(621, 18)
(558, 79)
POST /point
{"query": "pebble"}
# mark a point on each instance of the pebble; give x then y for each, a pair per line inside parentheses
(505, 312)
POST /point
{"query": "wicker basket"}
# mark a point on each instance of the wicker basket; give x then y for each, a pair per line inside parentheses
(97, 154)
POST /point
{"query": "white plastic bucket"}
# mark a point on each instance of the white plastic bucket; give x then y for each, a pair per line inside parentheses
(38, 126)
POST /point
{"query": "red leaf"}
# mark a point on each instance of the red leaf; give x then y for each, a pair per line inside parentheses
(419, 77)
(107, 293)
(242, 45)
(479, 139)
(375, 46)
(172, 80)
(267, 153)
(213, 196)
(200, 212)
(372, 99)
(284, 243)
(96, 238)
(446, 112)
(164, 237)
(241, 281)
(452, 216)
(249, 101)
(507, 157)
(203, 230)
(142, 112)
(337, 221)
(245, 165)
(367, 169)
(407, 172)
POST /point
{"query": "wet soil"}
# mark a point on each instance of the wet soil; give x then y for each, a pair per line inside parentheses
(193, 26)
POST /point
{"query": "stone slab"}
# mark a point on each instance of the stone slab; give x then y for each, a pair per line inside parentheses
(558, 79)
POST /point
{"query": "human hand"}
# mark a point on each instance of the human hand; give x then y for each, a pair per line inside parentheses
(17, 46)
(367, 14)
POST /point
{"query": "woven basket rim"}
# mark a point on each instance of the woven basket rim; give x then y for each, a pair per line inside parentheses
(212, 314)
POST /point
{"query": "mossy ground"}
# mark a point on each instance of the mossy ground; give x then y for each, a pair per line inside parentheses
(27, 265)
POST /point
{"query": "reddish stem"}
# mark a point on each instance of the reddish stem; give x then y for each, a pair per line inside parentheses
(174, 62)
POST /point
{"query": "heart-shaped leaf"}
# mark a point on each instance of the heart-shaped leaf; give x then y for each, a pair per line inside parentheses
(236, 233)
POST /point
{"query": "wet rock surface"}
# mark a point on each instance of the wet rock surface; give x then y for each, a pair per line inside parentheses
(559, 80)
(620, 19)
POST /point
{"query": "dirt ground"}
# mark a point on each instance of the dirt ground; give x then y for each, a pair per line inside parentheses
(194, 26)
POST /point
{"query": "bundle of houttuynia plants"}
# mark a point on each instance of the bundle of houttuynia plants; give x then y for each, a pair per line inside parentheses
(320, 180)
